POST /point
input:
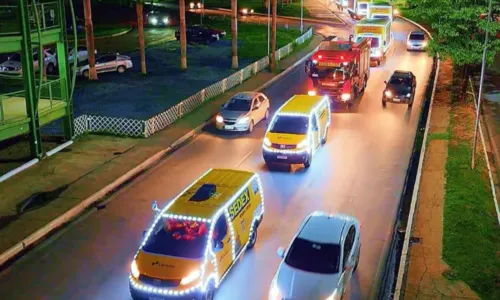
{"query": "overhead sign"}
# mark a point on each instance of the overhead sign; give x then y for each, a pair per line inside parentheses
(369, 29)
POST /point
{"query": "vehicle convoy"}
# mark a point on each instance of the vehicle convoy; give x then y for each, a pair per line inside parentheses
(400, 88)
(360, 9)
(380, 34)
(242, 112)
(297, 130)
(197, 237)
(320, 260)
(340, 70)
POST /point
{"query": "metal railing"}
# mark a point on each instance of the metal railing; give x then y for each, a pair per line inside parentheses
(48, 14)
(145, 128)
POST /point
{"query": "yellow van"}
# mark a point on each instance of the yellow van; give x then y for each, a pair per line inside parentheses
(196, 239)
(297, 130)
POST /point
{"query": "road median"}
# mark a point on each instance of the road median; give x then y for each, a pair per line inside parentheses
(76, 180)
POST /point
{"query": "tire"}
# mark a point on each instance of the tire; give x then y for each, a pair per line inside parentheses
(250, 127)
(253, 238)
(365, 84)
(209, 293)
(323, 141)
(51, 68)
(266, 116)
(307, 164)
(121, 69)
(384, 104)
(86, 73)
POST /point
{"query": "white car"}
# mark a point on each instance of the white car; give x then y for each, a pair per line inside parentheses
(416, 40)
(81, 54)
(243, 111)
(320, 261)
(13, 65)
(107, 63)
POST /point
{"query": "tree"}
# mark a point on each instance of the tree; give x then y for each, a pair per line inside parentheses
(234, 33)
(140, 29)
(182, 32)
(458, 31)
(89, 38)
(274, 8)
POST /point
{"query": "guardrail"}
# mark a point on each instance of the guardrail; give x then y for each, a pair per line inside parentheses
(145, 128)
(48, 15)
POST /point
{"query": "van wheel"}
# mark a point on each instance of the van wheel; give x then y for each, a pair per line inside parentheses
(121, 69)
(253, 237)
(250, 127)
(365, 84)
(209, 293)
(323, 140)
(384, 104)
(308, 162)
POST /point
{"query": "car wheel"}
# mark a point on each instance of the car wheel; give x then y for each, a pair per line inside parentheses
(250, 127)
(378, 62)
(252, 239)
(51, 68)
(323, 140)
(121, 69)
(209, 292)
(365, 83)
(308, 162)
(266, 116)
(384, 104)
(86, 74)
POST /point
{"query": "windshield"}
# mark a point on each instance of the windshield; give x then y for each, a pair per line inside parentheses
(417, 37)
(238, 104)
(15, 57)
(335, 73)
(291, 125)
(399, 81)
(375, 42)
(179, 238)
(314, 257)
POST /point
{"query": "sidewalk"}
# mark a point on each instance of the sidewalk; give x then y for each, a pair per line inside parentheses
(60, 182)
(455, 239)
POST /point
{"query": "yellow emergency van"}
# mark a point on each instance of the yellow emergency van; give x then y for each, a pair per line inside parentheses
(198, 236)
(380, 35)
(297, 130)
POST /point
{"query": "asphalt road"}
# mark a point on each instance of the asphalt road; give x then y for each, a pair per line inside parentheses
(360, 171)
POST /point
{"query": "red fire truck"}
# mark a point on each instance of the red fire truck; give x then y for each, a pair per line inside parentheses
(339, 69)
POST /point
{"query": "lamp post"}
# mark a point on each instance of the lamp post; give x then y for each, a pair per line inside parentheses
(479, 97)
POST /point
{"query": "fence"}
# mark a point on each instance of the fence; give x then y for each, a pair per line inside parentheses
(146, 128)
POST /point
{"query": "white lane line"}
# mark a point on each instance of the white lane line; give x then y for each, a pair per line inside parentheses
(243, 159)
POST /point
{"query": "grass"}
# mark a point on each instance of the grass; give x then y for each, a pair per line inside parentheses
(291, 9)
(105, 30)
(252, 38)
(471, 240)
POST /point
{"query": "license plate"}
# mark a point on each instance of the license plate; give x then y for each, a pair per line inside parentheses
(328, 64)
(229, 127)
(396, 100)
(281, 157)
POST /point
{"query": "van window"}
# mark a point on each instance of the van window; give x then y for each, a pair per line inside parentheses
(314, 124)
(375, 42)
(291, 125)
(220, 230)
(178, 238)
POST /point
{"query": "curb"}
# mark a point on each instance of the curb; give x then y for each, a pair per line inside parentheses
(72, 213)
(325, 22)
(107, 36)
(414, 198)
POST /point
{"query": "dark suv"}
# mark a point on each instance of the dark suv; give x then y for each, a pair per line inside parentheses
(198, 34)
(400, 88)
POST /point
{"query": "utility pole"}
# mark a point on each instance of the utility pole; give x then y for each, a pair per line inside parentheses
(479, 97)
(89, 37)
(140, 29)
(182, 31)
(273, 36)
(234, 32)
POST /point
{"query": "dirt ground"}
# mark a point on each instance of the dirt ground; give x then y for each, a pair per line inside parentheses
(427, 272)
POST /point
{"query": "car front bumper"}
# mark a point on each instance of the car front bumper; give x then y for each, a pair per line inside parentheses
(285, 157)
(397, 99)
(415, 47)
(139, 290)
(232, 127)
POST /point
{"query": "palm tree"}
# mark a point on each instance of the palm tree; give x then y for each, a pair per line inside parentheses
(182, 31)
(234, 32)
(140, 29)
(89, 37)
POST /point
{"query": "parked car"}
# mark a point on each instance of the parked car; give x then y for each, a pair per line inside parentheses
(400, 88)
(198, 34)
(220, 33)
(158, 18)
(416, 40)
(320, 261)
(246, 11)
(13, 65)
(106, 63)
(242, 112)
(81, 54)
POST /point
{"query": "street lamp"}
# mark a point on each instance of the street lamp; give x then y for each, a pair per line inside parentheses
(478, 109)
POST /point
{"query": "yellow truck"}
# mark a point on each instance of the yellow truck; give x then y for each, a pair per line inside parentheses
(357, 9)
(380, 34)
(380, 10)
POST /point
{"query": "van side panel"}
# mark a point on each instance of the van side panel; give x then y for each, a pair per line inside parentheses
(240, 213)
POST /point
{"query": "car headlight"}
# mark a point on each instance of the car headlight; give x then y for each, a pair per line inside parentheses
(345, 97)
(191, 5)
(219, 119)
(165, 20)
(134, 269)
(408, 95)
(388, 94)
(154, 21)
(191, 277)
(251, 11)
(244, 11)
(377, 53)
(311, 93)
(267, 142)
(244, 120)
(408, 43)
(424, 44)
(303, 144)
(198, 4)
(274, 293)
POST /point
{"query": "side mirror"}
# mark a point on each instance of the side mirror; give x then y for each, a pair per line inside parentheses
(281, 252)
(144, 233)
(155, 208)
